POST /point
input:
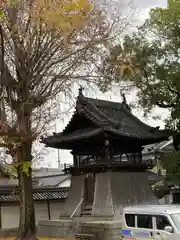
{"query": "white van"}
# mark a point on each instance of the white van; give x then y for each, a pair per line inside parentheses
(150, 222)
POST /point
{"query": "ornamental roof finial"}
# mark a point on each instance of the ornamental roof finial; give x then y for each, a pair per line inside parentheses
(124, 102)
(81, 90)
(124, 98)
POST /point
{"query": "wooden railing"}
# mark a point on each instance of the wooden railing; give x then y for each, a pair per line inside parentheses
(77, 207)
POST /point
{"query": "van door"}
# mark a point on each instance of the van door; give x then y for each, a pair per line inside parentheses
(161, 222)
(144, 228)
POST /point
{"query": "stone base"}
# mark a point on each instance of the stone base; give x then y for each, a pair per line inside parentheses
(56, 228)
(103, 230)
(10, 232)
(113, 191)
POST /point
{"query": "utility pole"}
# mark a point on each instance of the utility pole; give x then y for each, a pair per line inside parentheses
(59, 160)
(58, 150)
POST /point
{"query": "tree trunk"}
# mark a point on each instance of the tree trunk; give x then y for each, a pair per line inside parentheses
(27, 227)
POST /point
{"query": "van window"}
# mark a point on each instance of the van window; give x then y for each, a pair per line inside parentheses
(144, 221)
(176, 219)
(162, 222)
(130, 220)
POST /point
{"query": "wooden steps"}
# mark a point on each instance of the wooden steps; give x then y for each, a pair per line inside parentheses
(86, 210)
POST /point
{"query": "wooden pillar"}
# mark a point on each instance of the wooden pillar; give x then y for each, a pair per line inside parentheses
(49, 210)
(75, 160)
(0, 217)
(106, 148)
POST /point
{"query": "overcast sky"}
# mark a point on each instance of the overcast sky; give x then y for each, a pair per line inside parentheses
(147, 4)
(142, 9)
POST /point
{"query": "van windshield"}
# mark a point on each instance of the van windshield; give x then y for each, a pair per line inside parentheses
(176, 219)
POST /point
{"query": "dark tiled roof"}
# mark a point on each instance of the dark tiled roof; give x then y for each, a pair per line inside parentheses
(38, 182)
(37, 195)
(6, 182)
(112, 117)
(45, 188)
(51, 181)
(76, 135)
(117, 118)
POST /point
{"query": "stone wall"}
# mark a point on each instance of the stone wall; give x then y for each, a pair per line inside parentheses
(56, 228)
(103, 230)
(11, 232)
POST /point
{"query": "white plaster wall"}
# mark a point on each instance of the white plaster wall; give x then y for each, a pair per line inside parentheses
(41, 211)
(10, 213)
(10, 216)
(55, 209)
(167, 199)
(162, 200)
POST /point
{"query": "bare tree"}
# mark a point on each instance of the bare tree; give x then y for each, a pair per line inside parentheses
(42, 54)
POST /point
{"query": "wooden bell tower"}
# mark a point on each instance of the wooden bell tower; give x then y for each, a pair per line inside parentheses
(109, 173)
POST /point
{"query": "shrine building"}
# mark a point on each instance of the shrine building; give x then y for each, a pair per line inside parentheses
(108, 172)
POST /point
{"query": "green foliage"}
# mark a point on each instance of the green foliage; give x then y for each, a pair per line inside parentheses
(160, 189)
(171, 162)
(12, 168)
(174, 5)
(26, 167)
(1, 14)
(154, 53)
